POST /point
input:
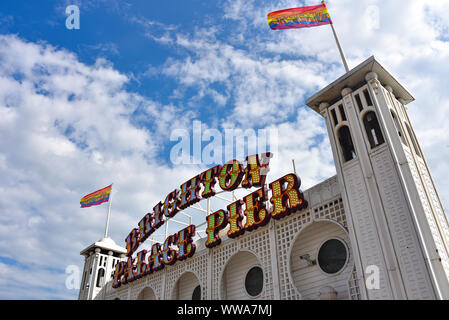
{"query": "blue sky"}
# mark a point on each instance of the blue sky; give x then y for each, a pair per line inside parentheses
(80, 109)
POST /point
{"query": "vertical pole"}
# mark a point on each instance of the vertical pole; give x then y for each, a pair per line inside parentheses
(340, 49)
(294, 166)
(338, 44)
(166, 229)
(109, 213)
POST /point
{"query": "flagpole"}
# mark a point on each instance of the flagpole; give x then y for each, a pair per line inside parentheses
(338, 44)
(109, 213)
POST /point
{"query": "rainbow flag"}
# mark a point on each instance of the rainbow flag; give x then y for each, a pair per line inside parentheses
(96, 198)
(303, 17)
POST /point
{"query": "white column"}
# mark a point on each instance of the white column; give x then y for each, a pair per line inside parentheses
(347, 207)
(392, 271)
(274, 259)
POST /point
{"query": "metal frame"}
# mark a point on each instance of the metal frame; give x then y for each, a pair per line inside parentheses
(196, 207)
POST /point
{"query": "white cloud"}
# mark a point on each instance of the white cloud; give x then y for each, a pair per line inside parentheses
(264, 90)
(67, 129)
(268, 74)
(31, 282)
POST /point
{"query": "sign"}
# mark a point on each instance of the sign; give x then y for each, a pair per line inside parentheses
(284, 195)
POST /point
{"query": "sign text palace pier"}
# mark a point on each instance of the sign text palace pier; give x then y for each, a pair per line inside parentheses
(376, 230)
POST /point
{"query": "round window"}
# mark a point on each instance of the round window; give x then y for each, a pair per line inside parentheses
(254, 281)
(332, 256)
(196, 295)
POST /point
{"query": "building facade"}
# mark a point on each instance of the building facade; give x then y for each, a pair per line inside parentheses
(377, 230)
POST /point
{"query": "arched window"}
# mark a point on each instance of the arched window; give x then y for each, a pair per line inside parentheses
(89, 280)
(369, 102)
(83, 281)
(100, 277)
(372, 129)
(196, 295)
(398, 127)
(347, 147)
(359, 102)
(342, 112)
(412, 137)
(334, 117)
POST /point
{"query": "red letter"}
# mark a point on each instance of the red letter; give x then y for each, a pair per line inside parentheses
(132, 242)
(145, 227)
(256, 171)
(141, 267)
(190, 193)
(215, 222)
(185, 245)
(255, 210)
(170, 208)
(231, 175)
(235, 219)
(154, 261)
(119, 271)
(130, 272)
(208, 180)
(157, 216)
(168, 254)
(288, 199)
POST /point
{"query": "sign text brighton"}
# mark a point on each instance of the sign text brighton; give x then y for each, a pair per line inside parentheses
(241, 216)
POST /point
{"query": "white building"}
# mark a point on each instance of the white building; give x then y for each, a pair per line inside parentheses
(377, 230)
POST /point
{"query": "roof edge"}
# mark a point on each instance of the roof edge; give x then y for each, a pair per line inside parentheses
(355, 77)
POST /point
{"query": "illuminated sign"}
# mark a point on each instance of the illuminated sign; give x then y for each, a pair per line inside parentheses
(285, 197)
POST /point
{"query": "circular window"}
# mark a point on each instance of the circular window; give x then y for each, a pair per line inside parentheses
(254, 281)
(332, 256)
(196, 295)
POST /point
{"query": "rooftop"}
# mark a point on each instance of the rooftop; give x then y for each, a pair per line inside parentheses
(353, 79)
(106, 244)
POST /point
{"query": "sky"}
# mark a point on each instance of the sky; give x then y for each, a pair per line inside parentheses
(83, 108)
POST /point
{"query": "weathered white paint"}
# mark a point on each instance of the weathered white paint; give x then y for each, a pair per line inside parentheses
(310, 279)
(146, 294)
(183, 289)
(233, 281)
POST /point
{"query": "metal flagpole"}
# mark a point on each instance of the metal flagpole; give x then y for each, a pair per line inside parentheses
(109, 213)
(338, 43)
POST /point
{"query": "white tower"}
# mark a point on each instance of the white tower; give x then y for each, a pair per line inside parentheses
(396, 219)
(100, 260)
